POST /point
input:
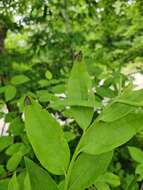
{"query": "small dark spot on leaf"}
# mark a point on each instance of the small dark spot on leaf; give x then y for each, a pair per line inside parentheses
(27, 101)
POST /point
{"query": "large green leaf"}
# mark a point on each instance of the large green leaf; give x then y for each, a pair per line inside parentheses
(80, 85)
(87, 169)
(47, 139)
(39, 178)
(102, 137)
(115, 111)
(80, 95)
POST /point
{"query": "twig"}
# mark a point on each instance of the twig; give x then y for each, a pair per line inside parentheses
(141, 187)
(3, 128)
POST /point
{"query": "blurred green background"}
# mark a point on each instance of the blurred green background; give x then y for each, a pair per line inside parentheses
(39, 42)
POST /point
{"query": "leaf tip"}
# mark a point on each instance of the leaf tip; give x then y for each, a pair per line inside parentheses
(27, 101)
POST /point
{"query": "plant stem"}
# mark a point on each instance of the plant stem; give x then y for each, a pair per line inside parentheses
(76, 153)
(67, 177)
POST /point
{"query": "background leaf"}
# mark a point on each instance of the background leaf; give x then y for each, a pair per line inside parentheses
(136, 154)
(19, 79)
(48, 75)
(14, 161)
(10, 92)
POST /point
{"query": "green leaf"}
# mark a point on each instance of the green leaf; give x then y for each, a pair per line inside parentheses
(13, 184)
(58, 88)
(2, 89)
(80, 85)
(5, 141)
(132, 183)
(139, 171)
(21, 179)
(16, 147)
(10, 92)
(87, 169)
(4, 184)
(19, 79)
(136, 154)
(80, 94)
(14, 161)
(110, 179)
(27, 185)
(47, 139)
(43, 83)
(115, 111)
(39, 178)
(61, 185)
(103, 137)
(69, 136)
(105, 92)
(48, 75)
(45, 96)
(133, 98)
(2, 170)
(102, 186)
(16, 127)
(82, 115)
(124, 104)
